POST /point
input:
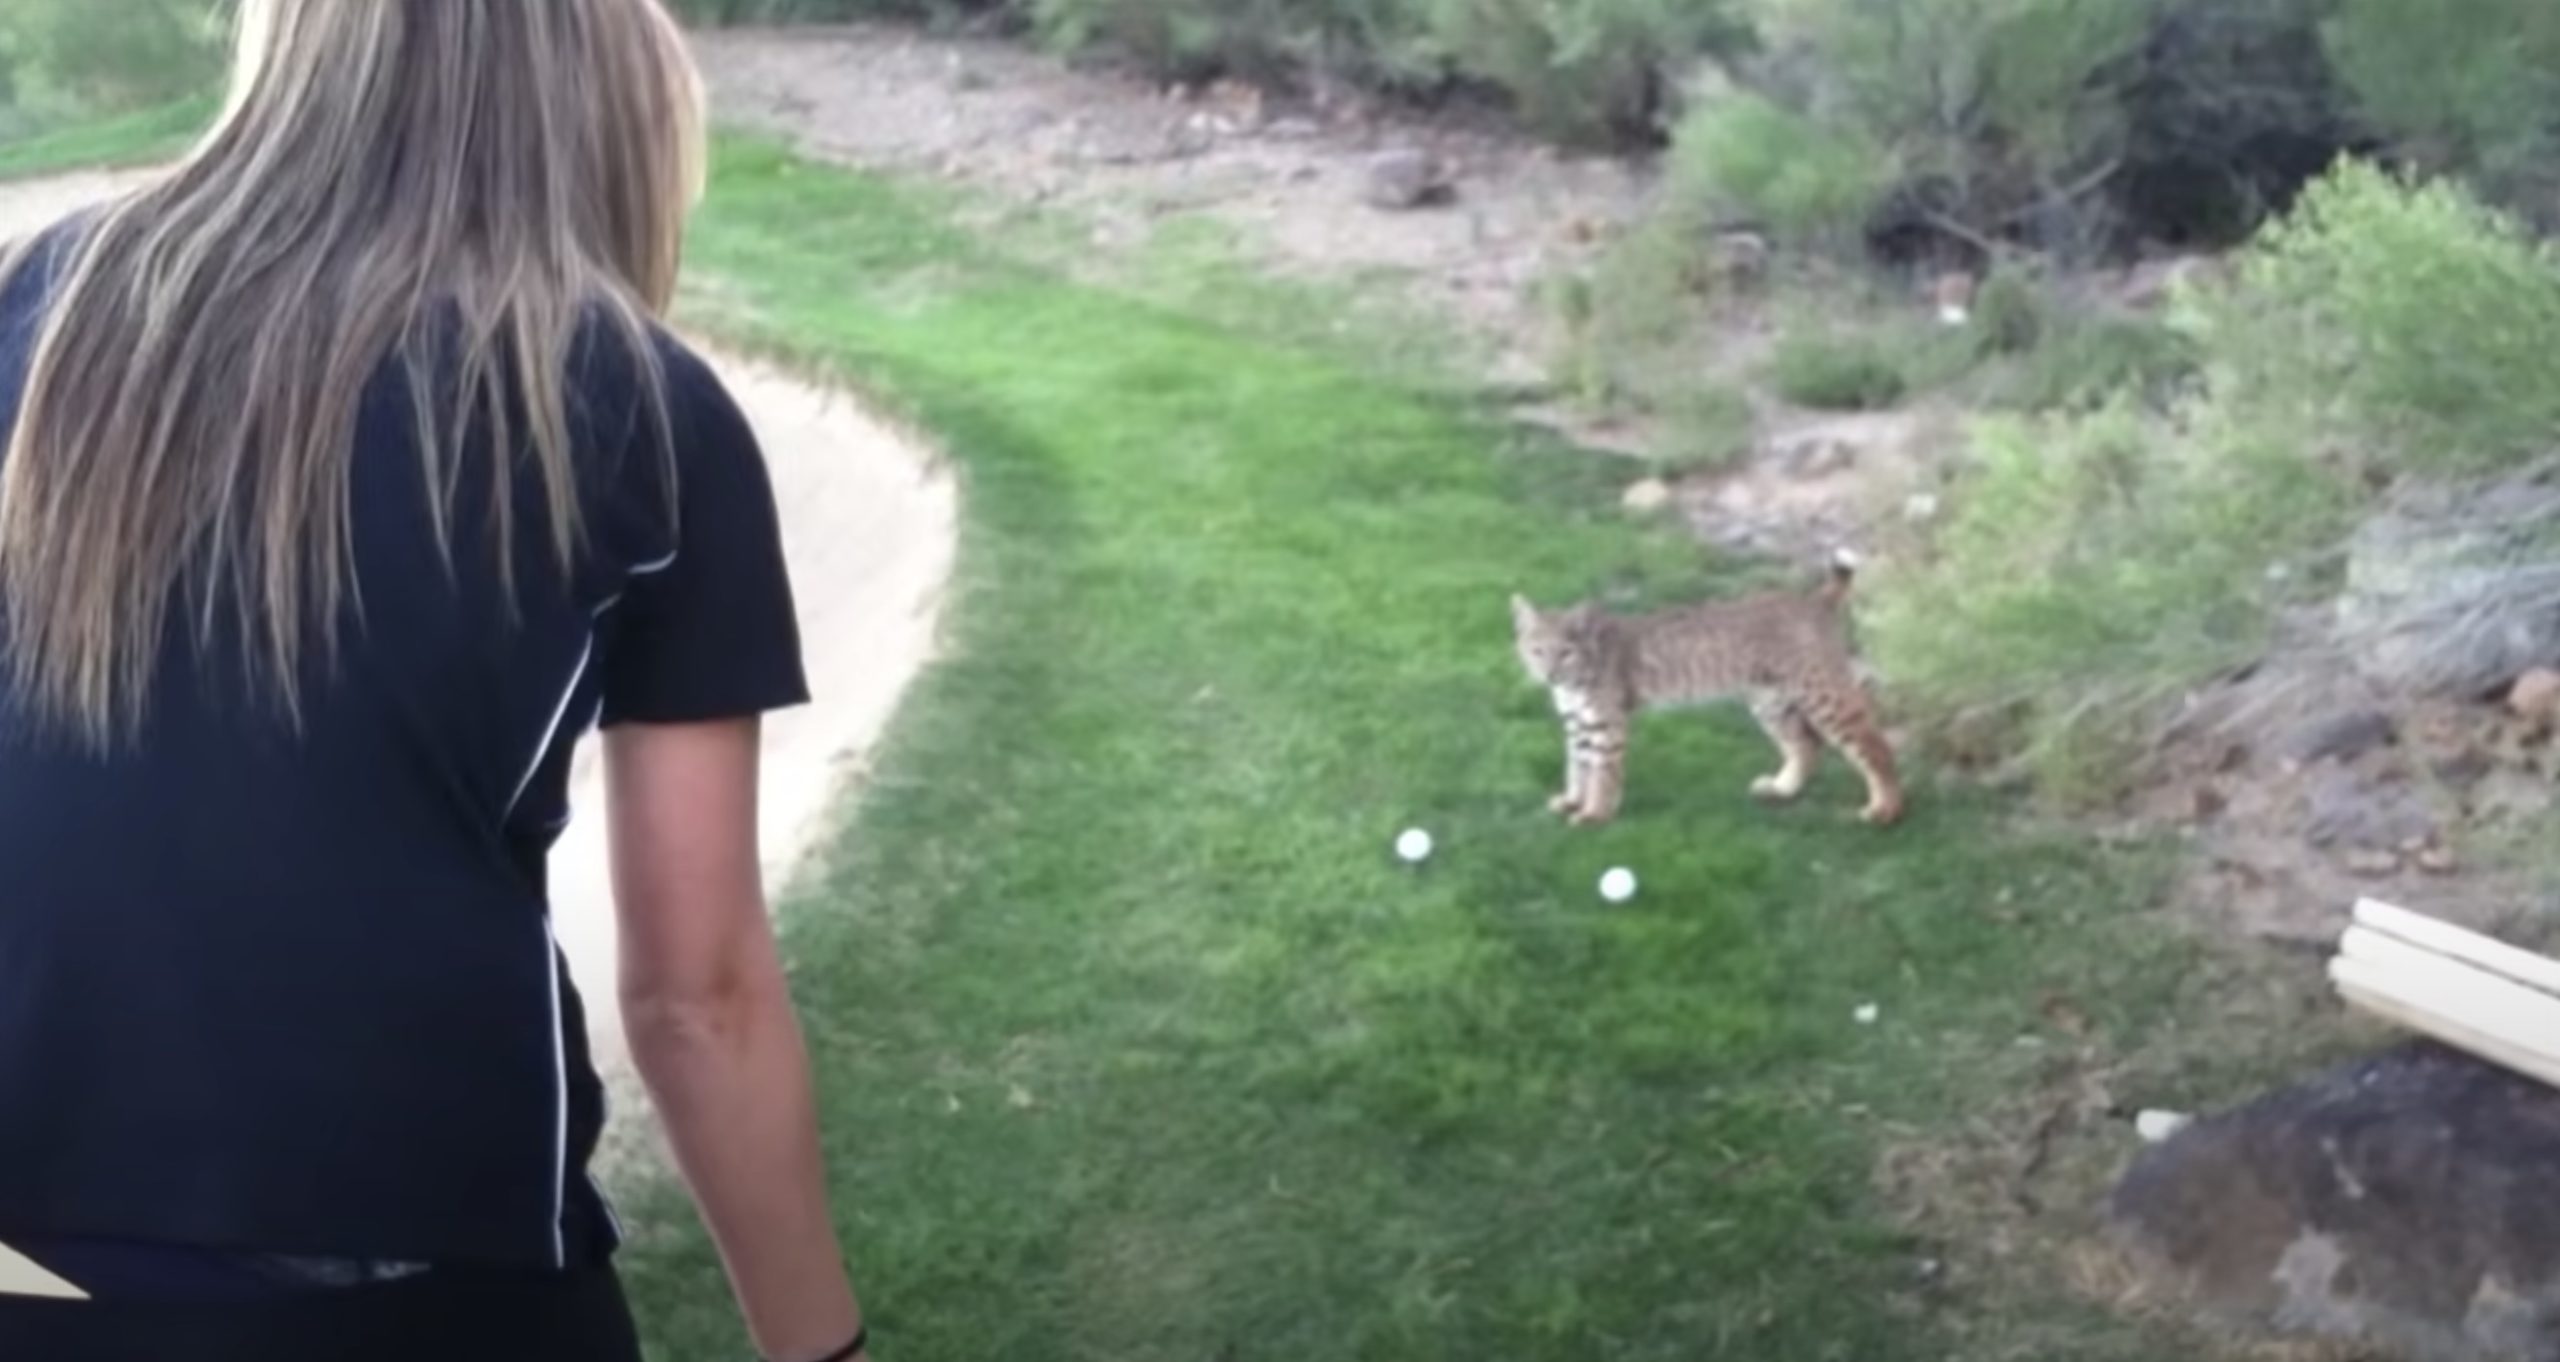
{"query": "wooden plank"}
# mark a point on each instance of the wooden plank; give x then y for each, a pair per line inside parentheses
(2444, 938)
(2524, 1016)
(2482, 1020)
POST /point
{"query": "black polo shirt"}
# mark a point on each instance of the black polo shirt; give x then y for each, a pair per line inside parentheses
(298, 991)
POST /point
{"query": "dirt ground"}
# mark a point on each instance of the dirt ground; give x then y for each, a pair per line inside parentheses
(1292, 180)
(869, 527)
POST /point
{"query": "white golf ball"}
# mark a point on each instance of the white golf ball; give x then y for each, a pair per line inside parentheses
(1618, 885)
(1413, 844)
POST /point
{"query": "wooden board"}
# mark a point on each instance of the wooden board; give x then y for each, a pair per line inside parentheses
(2469, 947)
(2470, 1009)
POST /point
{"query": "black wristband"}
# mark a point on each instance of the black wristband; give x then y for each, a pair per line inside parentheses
(850, 1351)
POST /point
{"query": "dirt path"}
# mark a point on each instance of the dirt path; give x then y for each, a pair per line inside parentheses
(1124, 159)
(868, 528)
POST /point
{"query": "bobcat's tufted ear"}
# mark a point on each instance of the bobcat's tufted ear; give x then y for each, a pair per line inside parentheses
(1523, 614)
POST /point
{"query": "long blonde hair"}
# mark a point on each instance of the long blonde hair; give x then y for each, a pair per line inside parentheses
(383, 172)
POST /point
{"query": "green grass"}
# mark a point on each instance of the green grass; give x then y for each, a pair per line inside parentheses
(1137, 1044)
(135, 139)
(1134, 1041)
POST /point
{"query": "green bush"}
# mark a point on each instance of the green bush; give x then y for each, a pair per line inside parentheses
(2095, 564)
(1804, 182)
(2467, 86)
(1837, 372)
(2009, 313)
(1707, 425)
(1597, 71)
(2084, 361)
(72, 58)
(2405, 320)
(1987, 108)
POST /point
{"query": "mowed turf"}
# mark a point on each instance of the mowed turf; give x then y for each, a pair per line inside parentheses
(1136, 1040)
(1137, 1044)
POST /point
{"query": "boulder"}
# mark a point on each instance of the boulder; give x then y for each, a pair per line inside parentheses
(2536, 696)
(1646, 496)
(2342, 736)
(1406, 178)
(2455, 592)
(2409, 1202)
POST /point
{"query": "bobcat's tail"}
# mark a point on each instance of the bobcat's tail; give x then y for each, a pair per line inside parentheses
(1844, 573)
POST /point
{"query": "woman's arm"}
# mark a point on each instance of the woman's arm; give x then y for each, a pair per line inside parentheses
(711, 1026)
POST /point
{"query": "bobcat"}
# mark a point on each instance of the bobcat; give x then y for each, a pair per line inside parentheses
(1782, 650)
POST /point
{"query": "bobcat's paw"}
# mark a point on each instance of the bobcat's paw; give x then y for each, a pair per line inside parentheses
(1584, 818)
(1774, 790)
(1882, 812)
(1564, 803)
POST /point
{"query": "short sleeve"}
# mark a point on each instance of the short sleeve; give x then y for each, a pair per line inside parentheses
(711, 632)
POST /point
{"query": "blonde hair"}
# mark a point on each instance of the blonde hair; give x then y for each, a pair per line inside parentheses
(436, 181)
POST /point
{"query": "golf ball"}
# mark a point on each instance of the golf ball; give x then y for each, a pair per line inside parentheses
(1413, 844)
(1618, 885)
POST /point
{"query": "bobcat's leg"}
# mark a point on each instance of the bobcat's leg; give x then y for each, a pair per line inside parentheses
(1851, 727)
(1571, 799)
(1798, 744)
(1600, 746)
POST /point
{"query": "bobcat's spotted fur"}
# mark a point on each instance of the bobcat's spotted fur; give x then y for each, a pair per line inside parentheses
(1783, 651)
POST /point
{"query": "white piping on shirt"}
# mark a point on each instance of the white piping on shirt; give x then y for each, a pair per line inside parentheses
(551, 939)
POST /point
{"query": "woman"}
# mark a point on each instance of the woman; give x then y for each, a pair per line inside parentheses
(348, 477)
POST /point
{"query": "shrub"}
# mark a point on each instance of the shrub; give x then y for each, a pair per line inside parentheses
(2407, 318)
(2468, 86)
(72, 57)
(1804, 182)
(2230, 111)
(1706, 425)
(1584, 70)
(2008, 313)
(2094, 564)
(1992, 110)
(2086, 360)
(1837, 372)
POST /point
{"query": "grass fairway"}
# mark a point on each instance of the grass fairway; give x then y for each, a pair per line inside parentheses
(1136, 1042)
(1138, 1046)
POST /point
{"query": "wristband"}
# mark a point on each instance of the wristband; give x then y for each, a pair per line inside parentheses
(852, 1350)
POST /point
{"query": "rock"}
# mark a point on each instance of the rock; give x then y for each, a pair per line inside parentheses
(2437, 860)
(2157, 1126)
(2446, 594)
(2403, 1200)
(2341, 807)
(2343, 736)
(1406, 178)
(1814, 455)
(1739, 257)
(1646, 497)
(2536, 696)
(2372, 864)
